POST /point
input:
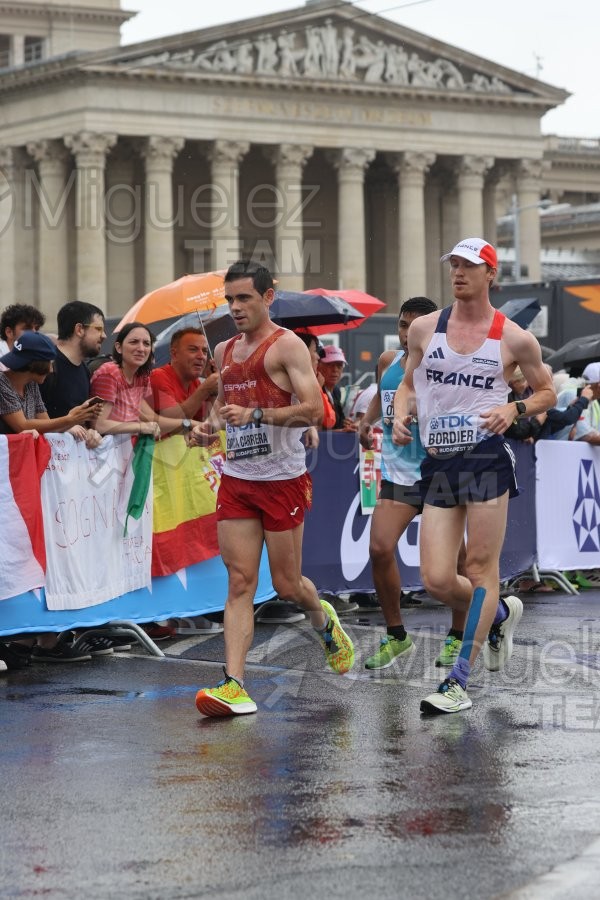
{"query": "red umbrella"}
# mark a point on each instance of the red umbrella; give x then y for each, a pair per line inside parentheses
(364, 303)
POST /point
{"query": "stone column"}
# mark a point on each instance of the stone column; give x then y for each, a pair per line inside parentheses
(159, 154)
(411, 169)
(351, 164)
(528, 179)
(225, 158)
(53, 230)
(124, 231)
(18, 50)
(433, 236)
(490, 228)
(470, 174)
(289, 161)
(89, 150)
(8, 226)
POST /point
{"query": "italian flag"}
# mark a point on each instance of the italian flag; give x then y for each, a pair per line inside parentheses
(23, 459)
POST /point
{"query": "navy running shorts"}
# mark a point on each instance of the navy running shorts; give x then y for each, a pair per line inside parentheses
(402, 493)
(484, 472)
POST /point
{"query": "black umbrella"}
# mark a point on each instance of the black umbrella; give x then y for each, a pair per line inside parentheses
(522, 312)
(576, 353)
(216, 323)
(296, 310)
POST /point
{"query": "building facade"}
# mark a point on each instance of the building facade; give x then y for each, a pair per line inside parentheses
(343, 150)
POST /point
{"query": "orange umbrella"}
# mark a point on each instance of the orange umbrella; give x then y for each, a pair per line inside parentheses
(364, 303)
(190, 293)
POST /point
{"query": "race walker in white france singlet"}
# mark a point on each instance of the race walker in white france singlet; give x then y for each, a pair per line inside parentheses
(453, 388)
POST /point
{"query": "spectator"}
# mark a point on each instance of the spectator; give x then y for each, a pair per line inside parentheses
(21, 405)
(16, 319)
(330, 367)
(587, 425)
(317, 352)
(362, 401)
(80, 335)
(124, 386)
(179, 389)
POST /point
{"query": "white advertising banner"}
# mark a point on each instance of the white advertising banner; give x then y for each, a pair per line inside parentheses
(90, 558)
(568, 505)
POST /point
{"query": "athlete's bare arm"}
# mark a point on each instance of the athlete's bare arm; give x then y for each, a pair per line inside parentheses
(288, 363)
(373, 413)
(520, 348)
(419, 336)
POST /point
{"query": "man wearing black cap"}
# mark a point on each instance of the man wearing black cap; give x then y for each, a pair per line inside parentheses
(459, 364)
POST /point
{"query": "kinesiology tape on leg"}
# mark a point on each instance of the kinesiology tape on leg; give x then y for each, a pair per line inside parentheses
(472, 622)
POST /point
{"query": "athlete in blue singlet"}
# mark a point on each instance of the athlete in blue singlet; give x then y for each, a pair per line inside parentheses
(399, 500)
(459, 363)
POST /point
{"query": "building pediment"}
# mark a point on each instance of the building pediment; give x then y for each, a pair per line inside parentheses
(346, 46)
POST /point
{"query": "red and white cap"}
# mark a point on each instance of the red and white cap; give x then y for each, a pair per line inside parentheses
(476, 250)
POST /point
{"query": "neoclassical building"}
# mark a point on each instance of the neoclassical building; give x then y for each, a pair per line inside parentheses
(342, 149)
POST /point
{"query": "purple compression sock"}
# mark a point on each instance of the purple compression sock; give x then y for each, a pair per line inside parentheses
(501, 612)
(460, 671)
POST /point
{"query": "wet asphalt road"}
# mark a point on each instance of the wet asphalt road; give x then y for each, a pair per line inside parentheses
(113, 785)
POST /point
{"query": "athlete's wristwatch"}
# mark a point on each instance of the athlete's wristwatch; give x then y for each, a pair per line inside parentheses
(257, 416)
(186, 425)
(521, 408)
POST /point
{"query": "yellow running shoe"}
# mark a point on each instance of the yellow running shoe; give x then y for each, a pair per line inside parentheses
(339, 649)
(228, 698)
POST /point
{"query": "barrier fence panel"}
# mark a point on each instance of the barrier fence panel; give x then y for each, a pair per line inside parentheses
(568, 505)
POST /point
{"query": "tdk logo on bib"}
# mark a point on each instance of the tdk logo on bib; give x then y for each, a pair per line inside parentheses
(453, 421)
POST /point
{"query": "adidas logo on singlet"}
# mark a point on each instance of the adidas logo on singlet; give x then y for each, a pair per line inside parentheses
(437, 354)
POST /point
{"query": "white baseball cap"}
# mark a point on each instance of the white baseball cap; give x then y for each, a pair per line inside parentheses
(591, 373)
(476, 250)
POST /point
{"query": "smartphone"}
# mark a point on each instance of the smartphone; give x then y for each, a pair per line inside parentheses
(95, 401)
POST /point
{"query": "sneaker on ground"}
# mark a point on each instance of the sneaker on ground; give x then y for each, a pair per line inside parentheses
(196, 625)
(390, 648)
(410, 598)
(158, 632)
(14, 655)
(96, 645)
(279, 612)
(61, 652)
(228, 698)
(3, 666)
(498, 648)
(120, 642)
(450, 697)
(342, 606)
(450, 652)
(339, 649)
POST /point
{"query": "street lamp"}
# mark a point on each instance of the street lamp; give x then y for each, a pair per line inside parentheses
(515, 212)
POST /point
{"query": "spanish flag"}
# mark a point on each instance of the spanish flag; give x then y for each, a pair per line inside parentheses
(186, 481)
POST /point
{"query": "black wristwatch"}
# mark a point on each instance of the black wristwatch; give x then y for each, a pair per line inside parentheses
(521, 408)
(257, 416)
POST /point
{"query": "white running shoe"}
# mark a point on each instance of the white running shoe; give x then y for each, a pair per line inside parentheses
(450, 697)
(498, 648)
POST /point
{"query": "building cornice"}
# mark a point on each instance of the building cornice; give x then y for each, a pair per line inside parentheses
(84, 13)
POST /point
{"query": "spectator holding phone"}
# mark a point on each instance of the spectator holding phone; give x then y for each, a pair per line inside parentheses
(27, 366)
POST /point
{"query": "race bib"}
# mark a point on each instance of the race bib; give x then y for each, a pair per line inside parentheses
(244, 441)
(387, 407)
(453, 433)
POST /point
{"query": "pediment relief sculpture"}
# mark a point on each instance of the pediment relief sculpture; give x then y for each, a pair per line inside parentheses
(326, 51)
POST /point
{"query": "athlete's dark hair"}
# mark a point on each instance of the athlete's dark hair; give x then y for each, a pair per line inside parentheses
(309, 339)
(77, 312)
(262, 279)
(420, 305)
